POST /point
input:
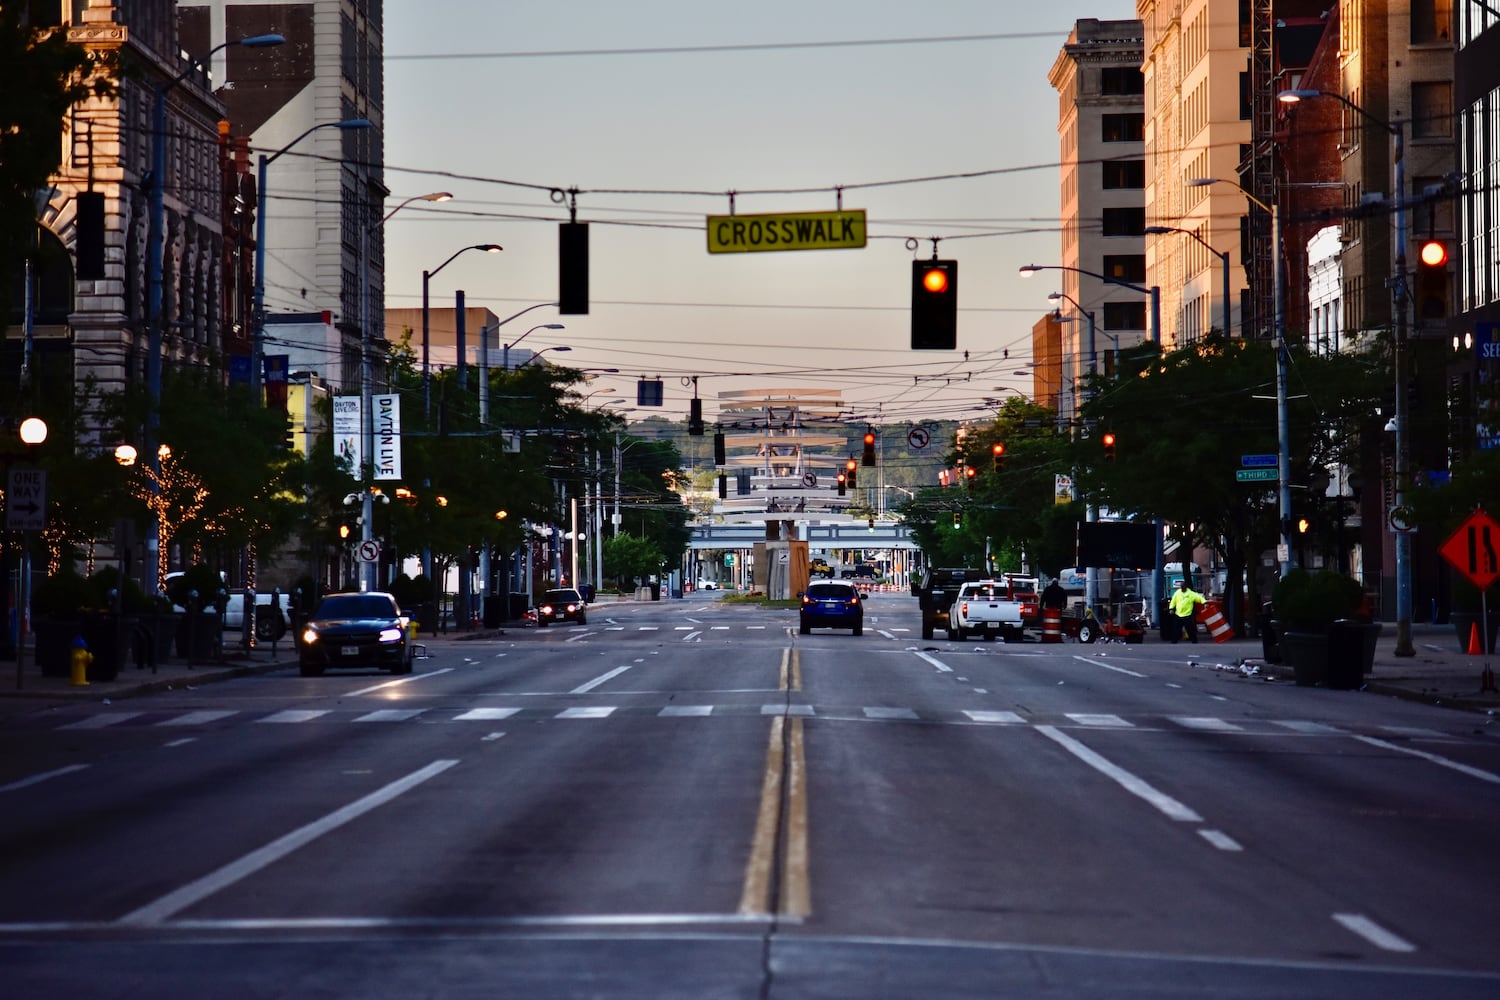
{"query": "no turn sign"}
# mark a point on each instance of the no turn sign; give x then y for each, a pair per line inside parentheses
(918, 438)
(368, 551)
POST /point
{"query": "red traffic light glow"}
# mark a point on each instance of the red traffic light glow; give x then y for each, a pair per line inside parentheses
(1109, 440)
(869, 440)
(1434, 253)
(935, 280)
(998, 449)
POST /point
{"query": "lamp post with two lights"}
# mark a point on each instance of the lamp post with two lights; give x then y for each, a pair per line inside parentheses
(1223, 260)
(427, 277)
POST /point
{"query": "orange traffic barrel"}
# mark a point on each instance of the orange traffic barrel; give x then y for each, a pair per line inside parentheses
(1213, 619)
(1052, 625)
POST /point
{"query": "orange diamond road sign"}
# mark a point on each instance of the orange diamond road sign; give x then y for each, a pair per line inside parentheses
(1474, 549)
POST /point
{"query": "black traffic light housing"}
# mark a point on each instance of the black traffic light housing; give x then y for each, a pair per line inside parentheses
(957, 520)
(850, 468)
(1108, 440)
(998, 451)
(573, 268)
(719, 458)
(971, 476)
(868, 459)
(934, 305)
(695, 417)
(843, 484)
(1432, 284)
(723, 486)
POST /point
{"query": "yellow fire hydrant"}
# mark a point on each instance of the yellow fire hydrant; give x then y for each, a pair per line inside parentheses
(80, 662)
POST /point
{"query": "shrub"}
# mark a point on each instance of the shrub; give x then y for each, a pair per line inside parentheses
(1313, 601)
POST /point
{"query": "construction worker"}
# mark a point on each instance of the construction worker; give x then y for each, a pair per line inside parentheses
(1183, 605)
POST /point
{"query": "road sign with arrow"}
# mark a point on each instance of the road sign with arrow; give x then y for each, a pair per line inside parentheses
(26, 500)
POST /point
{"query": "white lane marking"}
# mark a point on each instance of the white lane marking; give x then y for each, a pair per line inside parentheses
(586, 712)
(1221, 840)
(37, 779)
(397, 683)
(877, 712)
(1003, 718)
(1107, 666)
(718, 628)
(753, 628)
(682, 628)
(295, 715)
(786, 710)
(180, 743)
(683, 711)
(981, 690)
(604, 678)
(1310, 728)
(578, 636)
(1218, 697)
(885, 632)
(1472, 772)
(1415, 731)
(485, 714)
(694, 620)
(1177, 686)
(934, 661)
(645, 628)
(490, 737)
(1099, 719)
(196, 718)
(200, 889)
(1205, 724)
(391, 715)
(614, 628)
(692, 636)
(1164, 803)
(100, 721)
(1373, 932)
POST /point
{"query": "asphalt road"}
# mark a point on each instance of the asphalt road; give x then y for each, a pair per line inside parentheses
(691, 800)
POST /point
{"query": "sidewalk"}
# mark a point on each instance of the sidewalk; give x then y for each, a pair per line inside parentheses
(1440, 673)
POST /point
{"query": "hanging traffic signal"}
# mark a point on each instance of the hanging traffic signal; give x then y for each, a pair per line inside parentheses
(868, 459)
(934, 305)
(957, 520)
(1109, 446)
(843, 484)
(850, 467)
(573, 268)
(998, 450)
(971, 476)
(723, 486)
(719, 458)
(695, 417)
(1431, 292)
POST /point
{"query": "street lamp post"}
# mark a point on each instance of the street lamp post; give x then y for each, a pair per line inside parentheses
(427, 276)
(369, 572)
(505, 349)
(156, 224)
(1091, 511)
(1283, 421)
(1223, 259)
(258, 312)
(1403, 645)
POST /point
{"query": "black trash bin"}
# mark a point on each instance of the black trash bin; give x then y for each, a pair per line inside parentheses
(494, 610)
(1346, 650)
(518, 605)
(1270, 649)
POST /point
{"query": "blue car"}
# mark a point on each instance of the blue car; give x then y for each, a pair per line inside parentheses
(832, 604)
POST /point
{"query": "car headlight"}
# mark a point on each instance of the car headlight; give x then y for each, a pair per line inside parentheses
(391, 634)
(572, 608)
(309, 636)
(545, 609)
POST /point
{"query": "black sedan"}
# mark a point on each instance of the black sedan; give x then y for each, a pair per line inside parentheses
(562, 605)
(355, 630)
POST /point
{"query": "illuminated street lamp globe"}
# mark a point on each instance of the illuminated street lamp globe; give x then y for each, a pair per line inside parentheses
(33, 430)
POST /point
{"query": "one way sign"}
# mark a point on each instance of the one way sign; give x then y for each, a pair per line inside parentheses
(26, 500)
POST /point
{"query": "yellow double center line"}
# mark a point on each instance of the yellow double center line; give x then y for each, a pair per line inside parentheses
(782, 818)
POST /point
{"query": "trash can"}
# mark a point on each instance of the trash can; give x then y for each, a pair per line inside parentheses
(494, 610)
(1265, 624)
(1346, 651)
(518, 606)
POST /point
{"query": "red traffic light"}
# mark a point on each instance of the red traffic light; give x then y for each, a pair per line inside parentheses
(1434, 253)
(998, 451)
(935, 280)
(1108, 440)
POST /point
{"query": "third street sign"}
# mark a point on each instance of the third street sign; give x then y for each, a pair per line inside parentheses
(792, 231)
(1255, 475)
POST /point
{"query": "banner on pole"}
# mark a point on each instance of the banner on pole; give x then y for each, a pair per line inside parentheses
(387, 435)
(346, 435)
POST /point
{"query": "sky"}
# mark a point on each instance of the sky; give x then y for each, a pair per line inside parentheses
(655, 110)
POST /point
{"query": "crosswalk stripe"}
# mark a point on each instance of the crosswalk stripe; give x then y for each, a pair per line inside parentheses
(485, 714)
(587, 712)
(889, 713)
(100, 721)
(1311, 728)
(681, 711)
(1206, 724)
(1099, 719)
(196, 718)
(787, 710)
(295, 715)
(391, 715)
(1004, 718)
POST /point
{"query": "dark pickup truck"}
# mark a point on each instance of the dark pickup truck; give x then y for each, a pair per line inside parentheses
(936, 592)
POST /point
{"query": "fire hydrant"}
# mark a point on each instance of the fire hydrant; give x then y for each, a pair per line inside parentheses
(81, 660)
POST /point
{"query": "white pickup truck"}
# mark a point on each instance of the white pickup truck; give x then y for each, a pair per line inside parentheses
(989, 608)
(269, 626)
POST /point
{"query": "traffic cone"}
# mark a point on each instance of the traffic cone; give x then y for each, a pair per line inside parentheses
(1475, 648)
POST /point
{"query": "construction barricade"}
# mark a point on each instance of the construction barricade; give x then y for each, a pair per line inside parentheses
(1212, 617)
(1052, 625)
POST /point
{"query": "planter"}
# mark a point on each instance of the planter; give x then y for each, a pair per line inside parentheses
(1307, 654)
(200, 636)
(1463, 625)
(1351, 653)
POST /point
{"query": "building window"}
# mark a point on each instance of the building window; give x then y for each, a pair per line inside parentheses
(1431, 21)
(1124, 174)
(1124, 315)
(1124, 222)
(1125, 266)
(1124, 128)
(1431, 110)
(1121, 80)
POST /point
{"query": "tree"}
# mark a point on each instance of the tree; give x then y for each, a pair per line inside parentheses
(631, 558)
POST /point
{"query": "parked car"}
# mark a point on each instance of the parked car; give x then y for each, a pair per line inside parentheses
(832, 604)
(355, 630)
(563, 605)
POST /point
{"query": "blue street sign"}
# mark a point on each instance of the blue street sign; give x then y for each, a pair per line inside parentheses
(1257, 461)
(1487, 341)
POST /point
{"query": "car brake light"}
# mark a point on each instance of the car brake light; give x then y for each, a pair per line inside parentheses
(963, 608)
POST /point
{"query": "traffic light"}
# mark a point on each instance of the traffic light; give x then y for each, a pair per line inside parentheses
(344, 531)
(971, 476)
(1302, 525)
(719, 448)
(1109, 446)
(695, 417)
(573, 268)
(850, 467)
(723, 486)
(934, 305)
(88, 229)
(1431, 293)
(957, 520)
(998, 450)
(843, 484)
(868, 459)
(289, 435)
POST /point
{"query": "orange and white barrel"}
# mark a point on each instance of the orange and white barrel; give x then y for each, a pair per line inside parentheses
(1052, 625)
(1213, 619)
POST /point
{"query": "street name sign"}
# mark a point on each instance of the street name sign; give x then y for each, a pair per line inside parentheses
(1257, 461)
(26, 500)
(790, 231)
(1474, 549)
(1255, 475)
